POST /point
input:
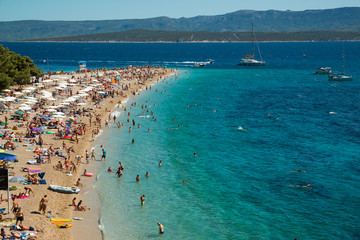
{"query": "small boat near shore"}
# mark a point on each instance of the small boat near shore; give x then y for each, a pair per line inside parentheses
(323, 71)
(63, 189)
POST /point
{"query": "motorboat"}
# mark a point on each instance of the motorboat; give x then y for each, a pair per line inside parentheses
(323, 71)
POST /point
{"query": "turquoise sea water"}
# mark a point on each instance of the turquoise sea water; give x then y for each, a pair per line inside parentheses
(239, 185)
(243, 183)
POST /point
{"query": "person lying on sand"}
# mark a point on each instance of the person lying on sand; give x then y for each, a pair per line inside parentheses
(2, 219)
(24, 228)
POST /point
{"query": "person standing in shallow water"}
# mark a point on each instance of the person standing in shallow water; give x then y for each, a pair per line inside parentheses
(161, 228)
(142, 199)
(103, 154)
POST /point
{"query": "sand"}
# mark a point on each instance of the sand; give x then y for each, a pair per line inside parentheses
(59, 203)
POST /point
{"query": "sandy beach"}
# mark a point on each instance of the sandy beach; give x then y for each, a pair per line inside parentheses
(54, 142)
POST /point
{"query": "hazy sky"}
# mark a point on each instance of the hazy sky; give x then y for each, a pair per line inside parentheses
(11, 10)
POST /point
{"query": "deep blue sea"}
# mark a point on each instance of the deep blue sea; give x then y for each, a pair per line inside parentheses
(252, 128)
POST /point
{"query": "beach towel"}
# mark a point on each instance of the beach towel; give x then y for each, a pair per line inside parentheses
(22, 197)
(33, 170)
(32, 162)
(25, 183)
(30, 149)
(8, 224)
(42, 181)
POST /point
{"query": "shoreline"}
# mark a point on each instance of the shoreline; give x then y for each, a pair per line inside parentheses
(91, 227)
(295, 41)
(59, 205)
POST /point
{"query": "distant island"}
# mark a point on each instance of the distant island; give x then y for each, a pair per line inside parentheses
(271, 25)
(141, 35)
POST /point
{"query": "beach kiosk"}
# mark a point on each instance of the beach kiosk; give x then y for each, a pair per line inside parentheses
(82, 66)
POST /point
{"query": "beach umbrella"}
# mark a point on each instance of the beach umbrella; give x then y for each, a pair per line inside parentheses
(18, 93)
(9, 99)
(19, 112)
(7, 90)
(25, 108)
(30, 88)
(36, 130)
(7, 156)
(17, 179)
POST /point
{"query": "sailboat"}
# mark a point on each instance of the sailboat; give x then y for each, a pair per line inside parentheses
(250, 60)
(341, 76)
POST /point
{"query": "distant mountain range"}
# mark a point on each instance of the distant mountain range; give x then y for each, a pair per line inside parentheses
(339, 19)
(140, 35)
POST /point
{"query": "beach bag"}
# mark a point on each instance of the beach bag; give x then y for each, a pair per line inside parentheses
(41, 175)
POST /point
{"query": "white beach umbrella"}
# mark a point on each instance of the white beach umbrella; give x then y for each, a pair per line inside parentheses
(18, 93)
(51, 110)
(30, 88)
(6, 90)
(47, 81)
(70, 99)
(25, 108)
(9, 99)
(31, 98)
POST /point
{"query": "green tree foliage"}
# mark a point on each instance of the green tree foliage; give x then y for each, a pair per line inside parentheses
(15, 69)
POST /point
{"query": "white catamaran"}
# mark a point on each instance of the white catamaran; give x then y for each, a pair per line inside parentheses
(341, 76)
(250, 60)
